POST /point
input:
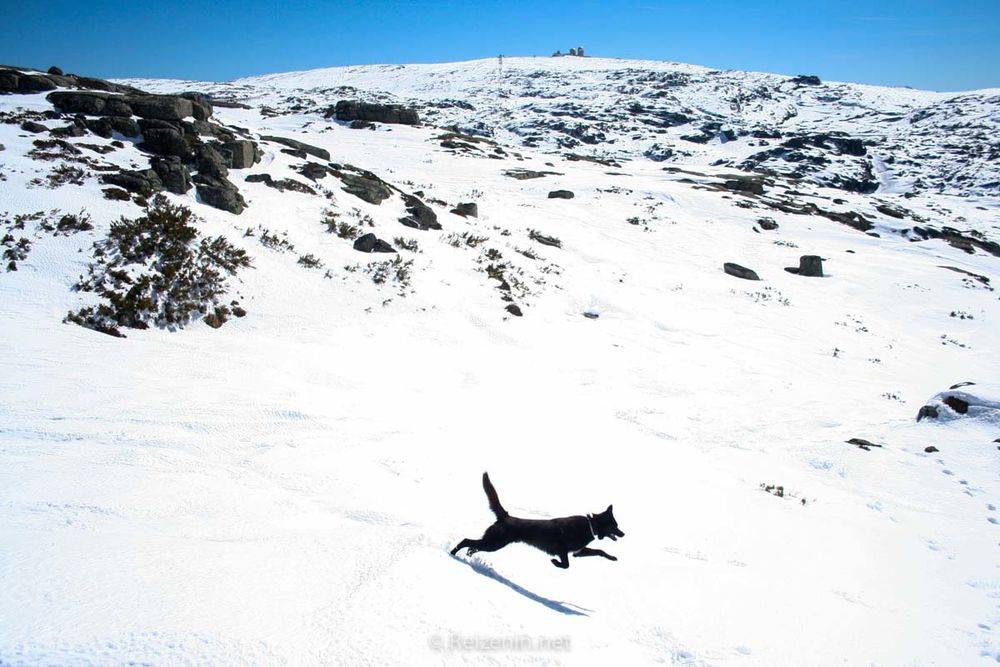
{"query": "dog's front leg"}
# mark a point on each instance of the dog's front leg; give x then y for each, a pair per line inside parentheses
(587, 551)
(562, 561)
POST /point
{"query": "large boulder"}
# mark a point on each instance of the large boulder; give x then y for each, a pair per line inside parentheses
(353, 110)
(740, 271)
(222, 195)
(365, 186)
(370, 243)
(210, 164)
(74, 101)
(175, 176)
(809, 265)
(201, 105)
(561, 194)
(164, 138)
(315, 151)
(241, 153)
(421, 216)
(466, 210)
(144, 183)
(161, 107)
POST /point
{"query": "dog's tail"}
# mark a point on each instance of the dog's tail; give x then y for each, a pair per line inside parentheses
(491, 495)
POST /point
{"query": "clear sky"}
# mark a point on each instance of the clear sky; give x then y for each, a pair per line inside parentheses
(953, 45)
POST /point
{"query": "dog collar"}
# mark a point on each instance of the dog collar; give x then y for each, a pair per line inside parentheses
(590, 524)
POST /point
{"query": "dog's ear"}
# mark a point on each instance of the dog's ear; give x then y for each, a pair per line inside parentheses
(609, 509)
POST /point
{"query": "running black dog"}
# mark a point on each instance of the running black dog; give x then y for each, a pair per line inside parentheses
(556, 537)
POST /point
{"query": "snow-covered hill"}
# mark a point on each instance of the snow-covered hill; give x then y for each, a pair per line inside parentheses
(274, 469)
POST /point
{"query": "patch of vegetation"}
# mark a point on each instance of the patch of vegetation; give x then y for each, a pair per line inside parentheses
(310, 261)
(396, 270)
(61, 174)
(272, 241)
(158, 270)
(536, 235)
(406, 244)
(457, 240)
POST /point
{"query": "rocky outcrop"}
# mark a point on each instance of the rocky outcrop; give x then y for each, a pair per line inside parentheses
(561, 194)
(156, 107)
(353, 110)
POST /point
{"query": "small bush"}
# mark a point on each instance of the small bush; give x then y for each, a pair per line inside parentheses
(157, 269)
(310, 261)
(406, 244)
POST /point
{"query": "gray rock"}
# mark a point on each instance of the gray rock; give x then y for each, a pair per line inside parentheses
(163, 138)
(33, 127)
(281, 184)
(469, 210)
(127, 127)
(370, 243)
(173, 174)
(221, 195)
(242, 153)
(739, 271)
(210, 164)
(161, 107)
(298, 145)
(353, 110)
(55, 70)
(201, 105)
(72, 101)
(144, 183)
(561, 194)
(368, 187)
(420, 214)
(809, 265)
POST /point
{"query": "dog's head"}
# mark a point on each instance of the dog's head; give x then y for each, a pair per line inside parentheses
(605, 525)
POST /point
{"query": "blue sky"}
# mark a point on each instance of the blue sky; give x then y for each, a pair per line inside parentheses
(936, 45)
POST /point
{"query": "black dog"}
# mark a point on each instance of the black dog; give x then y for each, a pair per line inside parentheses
(556, 537)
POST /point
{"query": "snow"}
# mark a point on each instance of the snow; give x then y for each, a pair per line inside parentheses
(285, 490)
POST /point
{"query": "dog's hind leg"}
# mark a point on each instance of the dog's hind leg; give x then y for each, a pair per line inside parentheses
(461, 545)
(587, 551)
(493, 539)
(562, 561)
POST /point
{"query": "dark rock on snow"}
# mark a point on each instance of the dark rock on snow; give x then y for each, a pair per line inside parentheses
(370, 243)
(561, 194)
(365, 186)
(420, 214)
(321, 153)
(353, 110)
(809, 265)
(468, 210)
(740, 271)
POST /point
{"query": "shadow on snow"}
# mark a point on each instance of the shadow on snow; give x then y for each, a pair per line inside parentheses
(482, 568)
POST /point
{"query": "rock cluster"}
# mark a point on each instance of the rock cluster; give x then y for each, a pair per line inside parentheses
(163, 129)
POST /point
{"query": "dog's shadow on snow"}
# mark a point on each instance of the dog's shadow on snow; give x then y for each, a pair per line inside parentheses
(482, 568)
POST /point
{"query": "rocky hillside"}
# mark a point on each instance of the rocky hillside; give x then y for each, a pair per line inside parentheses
(263, 337)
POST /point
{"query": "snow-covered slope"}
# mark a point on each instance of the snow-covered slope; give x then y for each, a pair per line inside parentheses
(904, 139)
(285, 489)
